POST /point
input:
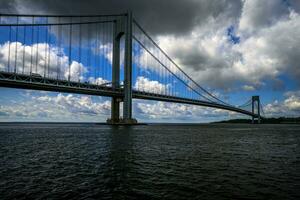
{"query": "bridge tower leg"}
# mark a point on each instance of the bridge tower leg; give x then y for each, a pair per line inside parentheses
(255, 99)
(127, 105)
(122, 26)
(115, 101)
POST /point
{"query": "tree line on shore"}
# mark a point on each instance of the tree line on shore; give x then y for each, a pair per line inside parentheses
(272, 120)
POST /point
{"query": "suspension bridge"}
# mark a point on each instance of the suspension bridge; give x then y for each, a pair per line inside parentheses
(103, 55)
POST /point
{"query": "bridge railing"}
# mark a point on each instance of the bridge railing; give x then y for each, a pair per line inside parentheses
(72, 48)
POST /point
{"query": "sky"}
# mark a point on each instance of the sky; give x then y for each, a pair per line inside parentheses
(233, 48)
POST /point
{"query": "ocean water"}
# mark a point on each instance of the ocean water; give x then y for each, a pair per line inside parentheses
(90, 161)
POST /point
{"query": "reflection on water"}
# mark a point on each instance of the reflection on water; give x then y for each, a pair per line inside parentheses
(55, 161)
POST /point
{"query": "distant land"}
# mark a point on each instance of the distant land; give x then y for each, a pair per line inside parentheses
(279, 120)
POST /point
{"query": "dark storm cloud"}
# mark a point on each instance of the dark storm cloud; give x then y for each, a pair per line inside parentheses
(7, 6)
(157, 16)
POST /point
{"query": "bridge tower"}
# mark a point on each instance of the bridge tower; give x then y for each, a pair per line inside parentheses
(122, 27)
(256, 100)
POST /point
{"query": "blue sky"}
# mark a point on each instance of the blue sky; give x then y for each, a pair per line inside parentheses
(235, 56)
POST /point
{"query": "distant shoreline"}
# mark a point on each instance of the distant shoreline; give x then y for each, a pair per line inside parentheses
(280, 120)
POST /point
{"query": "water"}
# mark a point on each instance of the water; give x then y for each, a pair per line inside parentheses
(88, 161)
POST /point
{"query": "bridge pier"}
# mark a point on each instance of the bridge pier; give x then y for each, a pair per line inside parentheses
(122, 27)
(127, 109)
(255, 99)
(115, 104)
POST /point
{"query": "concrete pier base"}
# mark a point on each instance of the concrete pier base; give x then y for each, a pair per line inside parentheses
(122, 121)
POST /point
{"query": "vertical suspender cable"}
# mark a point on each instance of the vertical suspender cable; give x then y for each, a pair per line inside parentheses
(161, 73)
(93, 53)
(146, 61)
(101, 51)
(105, 51)
(161, 76)
(31, 55)
(89, 50)
(141, 68)
(169, 86)
(79, 51)
(136, 59)
(24, 45)
(173, 84)
(16, 50)
(166, 90)
(8, 59)
(58, 64)
(145, 66)
(110, 49)
(70, 51)
(138, 65)
(99, 47)
(164, 74)
(97, 52)
(166, 77)
(46, 46)
(37, 49)
(48, 50)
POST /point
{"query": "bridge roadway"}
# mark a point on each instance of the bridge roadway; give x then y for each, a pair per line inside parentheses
(14, 80)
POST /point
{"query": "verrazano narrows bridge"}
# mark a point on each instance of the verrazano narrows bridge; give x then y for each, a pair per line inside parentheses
(105, 55)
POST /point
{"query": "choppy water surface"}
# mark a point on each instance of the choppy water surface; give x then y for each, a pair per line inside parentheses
(71, 161)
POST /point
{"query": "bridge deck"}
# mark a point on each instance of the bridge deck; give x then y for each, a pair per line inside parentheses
(14, 80)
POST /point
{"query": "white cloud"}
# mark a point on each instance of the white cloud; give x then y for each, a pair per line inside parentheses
(40, 58)
(77, 71)
(213, 61)
(59, 107)
(33, 59)
(147, 85)
(257, 14)
(43, 59)
(107, 51)
(248, 88)
(289, 107)
(149, 110)
(97, 81)
(293, 101)
(68, 107)
(272, 51)
(49, 106)
(75, 104)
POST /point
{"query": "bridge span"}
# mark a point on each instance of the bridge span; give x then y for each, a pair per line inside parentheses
(103, 55)
(45, 84)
